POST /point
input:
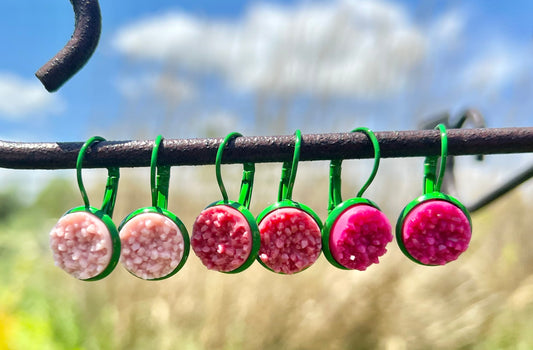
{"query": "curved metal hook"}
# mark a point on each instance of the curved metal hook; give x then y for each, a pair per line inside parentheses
(471, 115)
(476, 119)
(77, 51)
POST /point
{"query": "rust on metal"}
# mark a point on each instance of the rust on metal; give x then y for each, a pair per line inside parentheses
(266, 149)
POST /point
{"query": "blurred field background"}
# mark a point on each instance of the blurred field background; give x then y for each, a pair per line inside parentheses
(318, 66)
(482, 301)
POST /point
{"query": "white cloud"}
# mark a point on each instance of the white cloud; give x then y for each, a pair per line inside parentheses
(373, 50)
(174, 89)
(21, 98)
(489, 62)
(496, 68)
(448, 28)
(358, 48)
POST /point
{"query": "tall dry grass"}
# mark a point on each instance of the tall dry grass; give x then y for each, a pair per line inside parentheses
(482, 301)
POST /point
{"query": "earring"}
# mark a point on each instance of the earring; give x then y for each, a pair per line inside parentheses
(356, 231)
(225, 235)
(155, 243)
(435, 228)
(85, 241)
(290, 231)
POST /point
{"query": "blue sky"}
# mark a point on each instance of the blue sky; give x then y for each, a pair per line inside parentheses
(195, 68)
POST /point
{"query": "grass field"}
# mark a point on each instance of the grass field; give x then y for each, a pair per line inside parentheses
(482, 301)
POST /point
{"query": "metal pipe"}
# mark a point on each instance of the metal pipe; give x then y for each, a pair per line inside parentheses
(265, 149)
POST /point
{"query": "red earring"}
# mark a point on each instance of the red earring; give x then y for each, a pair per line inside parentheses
(290, 231)
(225, 235)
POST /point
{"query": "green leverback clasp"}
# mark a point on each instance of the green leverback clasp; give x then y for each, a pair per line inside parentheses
(111, 188)
(432, 183)
(159, 178)
(288, 171)
(225, 235)
(247, 182)
(335, 197)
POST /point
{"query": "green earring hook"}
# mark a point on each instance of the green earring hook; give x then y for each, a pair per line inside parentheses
(335, 197)
(159, 178)
(432, 183)
(288, 171)
(110, 193)
(247, 182)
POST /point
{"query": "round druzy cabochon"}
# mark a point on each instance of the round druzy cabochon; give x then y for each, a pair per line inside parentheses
(436, 232)
(81, 244)
(290, 240)
(359, 236)
(152, 245)
(222, 238)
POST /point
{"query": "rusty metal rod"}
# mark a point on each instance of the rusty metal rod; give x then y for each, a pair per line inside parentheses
(71, 58)
(502, 190)
(264, 149)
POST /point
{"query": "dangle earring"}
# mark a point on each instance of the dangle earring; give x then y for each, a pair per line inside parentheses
(356, 231)
(85, 241)
(435, 228)
(225, 235)
(155, 243)
(290, 231)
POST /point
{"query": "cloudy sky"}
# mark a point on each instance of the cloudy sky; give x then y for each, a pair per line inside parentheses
(205, 68)
(195, 68)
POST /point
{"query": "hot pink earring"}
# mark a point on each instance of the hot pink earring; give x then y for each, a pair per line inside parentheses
(435, 228)
(356, 231)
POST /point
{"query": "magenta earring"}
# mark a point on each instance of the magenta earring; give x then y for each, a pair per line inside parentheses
(435, 228)
(356, 231)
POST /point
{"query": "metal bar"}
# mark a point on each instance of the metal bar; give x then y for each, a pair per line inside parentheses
(264, 149)
(497, 193)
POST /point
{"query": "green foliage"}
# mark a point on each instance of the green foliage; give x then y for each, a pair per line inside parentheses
(10, 204)
(57, 197)
(38, 310)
